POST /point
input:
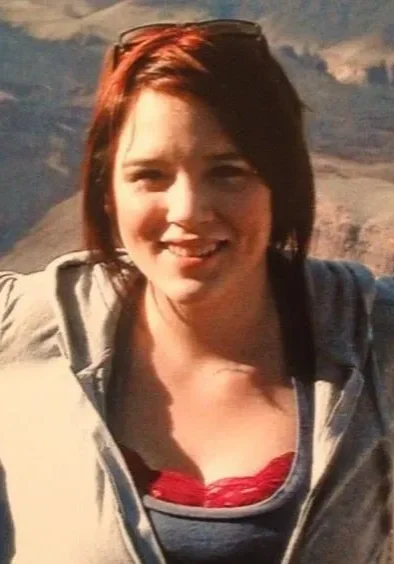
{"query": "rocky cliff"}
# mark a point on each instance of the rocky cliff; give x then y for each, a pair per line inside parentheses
(340, 55)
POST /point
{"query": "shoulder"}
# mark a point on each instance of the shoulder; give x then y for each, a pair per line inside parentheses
(331, 276)
(35, 289)
(385, 291)
(340, 277)
(69, 308)
(71, 269)
(339, 290)
(383, 328)
(29, 303)
(350, 304)
(383, 310)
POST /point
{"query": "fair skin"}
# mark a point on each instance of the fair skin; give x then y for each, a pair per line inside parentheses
(207, 393)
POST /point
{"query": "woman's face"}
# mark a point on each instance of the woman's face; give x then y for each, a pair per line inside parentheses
(192, 214)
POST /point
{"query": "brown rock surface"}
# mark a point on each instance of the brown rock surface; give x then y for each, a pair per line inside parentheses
(338, 234)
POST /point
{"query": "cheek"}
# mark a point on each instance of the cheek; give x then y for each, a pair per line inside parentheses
(139, 218)
(252, 214)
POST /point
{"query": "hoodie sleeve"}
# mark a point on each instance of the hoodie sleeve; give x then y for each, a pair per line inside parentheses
(383, 330)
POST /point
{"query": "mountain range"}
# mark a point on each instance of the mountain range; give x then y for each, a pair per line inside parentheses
(340, 55)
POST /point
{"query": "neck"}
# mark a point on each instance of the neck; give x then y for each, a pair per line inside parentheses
(227, 325)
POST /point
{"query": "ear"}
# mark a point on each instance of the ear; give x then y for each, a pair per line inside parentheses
(108, 205)
(110, 212)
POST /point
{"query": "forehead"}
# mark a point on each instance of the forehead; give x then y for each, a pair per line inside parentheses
(159, 122)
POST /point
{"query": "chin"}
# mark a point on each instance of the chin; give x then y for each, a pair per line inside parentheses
(188, 292)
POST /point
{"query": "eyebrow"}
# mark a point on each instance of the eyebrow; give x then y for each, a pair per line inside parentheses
(214, 157)
(229, 156)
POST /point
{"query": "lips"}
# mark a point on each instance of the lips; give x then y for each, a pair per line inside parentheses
(194, 248)
(186, 252)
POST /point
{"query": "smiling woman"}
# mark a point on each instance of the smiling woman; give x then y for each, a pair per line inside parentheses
(191, 212)
(227, 70)
(193, 388)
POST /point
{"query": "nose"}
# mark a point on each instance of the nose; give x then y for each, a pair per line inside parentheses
(189, 202)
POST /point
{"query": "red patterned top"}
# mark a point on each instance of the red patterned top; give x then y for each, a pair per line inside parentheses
(183, 489)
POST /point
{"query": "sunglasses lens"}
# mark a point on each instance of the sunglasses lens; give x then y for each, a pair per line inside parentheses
(213, 27)
(132, 34)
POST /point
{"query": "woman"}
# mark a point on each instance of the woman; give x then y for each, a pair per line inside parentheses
(207, 394)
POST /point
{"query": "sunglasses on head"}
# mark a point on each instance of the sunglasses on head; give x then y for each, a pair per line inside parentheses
(214, 28)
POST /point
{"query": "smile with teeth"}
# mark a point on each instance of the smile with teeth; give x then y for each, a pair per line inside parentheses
(192, 251)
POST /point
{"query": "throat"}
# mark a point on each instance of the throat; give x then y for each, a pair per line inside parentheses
(235, 357)
(233, 322)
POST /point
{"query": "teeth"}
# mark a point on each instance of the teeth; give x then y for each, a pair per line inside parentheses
(184, 252)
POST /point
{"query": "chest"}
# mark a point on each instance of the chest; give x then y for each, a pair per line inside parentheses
(217, 423)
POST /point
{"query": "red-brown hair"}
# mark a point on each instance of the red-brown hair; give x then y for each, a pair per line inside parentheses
(250, 95)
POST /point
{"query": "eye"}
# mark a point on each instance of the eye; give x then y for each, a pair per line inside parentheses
(149, 178)
(148, 174)
(229, 175)
(227, 171)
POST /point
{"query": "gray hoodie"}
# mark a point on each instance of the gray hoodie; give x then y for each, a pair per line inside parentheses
(66, 495)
